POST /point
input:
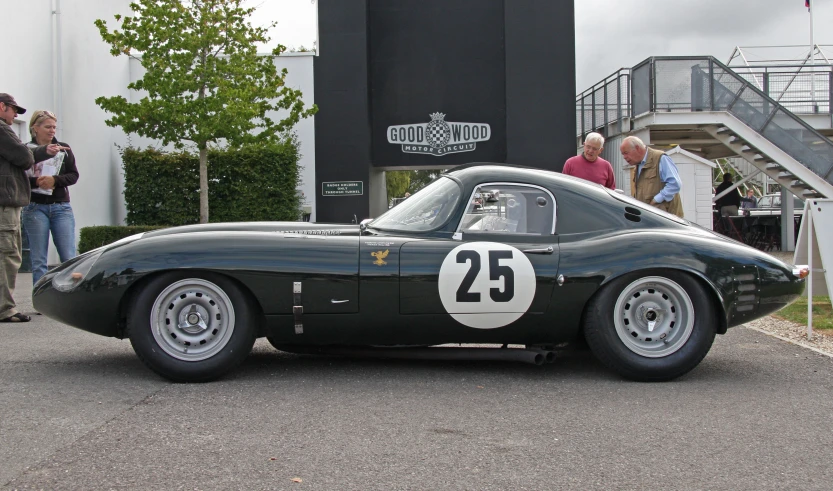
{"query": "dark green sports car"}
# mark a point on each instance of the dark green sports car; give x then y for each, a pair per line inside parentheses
(486, 254)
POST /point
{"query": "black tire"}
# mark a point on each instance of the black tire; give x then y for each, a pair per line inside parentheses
(651, 326)
(192, 327)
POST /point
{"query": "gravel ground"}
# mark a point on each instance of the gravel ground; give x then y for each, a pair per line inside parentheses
(821, 341)
(795, 333)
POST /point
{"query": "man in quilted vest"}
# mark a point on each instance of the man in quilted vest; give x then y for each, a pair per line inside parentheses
(654, 176)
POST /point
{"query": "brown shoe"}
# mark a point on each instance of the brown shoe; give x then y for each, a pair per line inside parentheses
(18, 317)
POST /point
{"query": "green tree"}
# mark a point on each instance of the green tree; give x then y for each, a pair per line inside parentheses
(397, 182)
(204, 83)
(422, 178)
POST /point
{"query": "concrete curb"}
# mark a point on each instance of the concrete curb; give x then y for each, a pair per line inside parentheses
(797, 343)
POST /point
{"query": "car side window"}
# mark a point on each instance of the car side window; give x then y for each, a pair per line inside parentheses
(509, 209)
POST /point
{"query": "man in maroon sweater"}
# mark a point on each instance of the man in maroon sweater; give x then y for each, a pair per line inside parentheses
(589, 165)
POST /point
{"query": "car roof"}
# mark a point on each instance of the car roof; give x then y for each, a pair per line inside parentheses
(478, 172)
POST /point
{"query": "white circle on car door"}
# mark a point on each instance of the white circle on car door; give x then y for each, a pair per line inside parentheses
(486, 284)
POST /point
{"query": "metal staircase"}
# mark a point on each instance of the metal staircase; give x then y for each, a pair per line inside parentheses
(762, 161)
(705, 107)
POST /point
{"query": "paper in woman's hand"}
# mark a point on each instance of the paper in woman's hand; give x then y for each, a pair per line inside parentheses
(48, 167)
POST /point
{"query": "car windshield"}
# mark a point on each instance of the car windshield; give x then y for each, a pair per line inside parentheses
(427, 209)
(774, 201)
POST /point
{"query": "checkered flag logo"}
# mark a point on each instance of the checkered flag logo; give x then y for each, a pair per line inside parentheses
(437, 133)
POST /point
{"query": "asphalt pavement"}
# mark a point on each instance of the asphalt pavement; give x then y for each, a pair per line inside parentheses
(79, 411)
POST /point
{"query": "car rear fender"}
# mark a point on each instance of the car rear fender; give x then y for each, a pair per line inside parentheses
(712, 289)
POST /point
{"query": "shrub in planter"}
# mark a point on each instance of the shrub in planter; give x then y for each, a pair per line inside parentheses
(252, 183)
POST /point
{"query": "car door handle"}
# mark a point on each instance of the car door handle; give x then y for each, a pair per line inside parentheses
(338, 301)
(548, 250)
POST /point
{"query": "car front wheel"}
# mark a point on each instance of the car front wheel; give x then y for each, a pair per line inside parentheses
(651, 326)
(192, 327)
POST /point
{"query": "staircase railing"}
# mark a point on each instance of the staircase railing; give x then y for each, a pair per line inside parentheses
(689, 84)
(605, 103)
(705, 84)
(801, 88)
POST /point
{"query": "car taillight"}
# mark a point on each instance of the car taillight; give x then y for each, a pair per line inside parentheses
(801, 271)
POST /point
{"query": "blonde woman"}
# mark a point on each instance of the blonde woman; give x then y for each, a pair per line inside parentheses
(49, 210)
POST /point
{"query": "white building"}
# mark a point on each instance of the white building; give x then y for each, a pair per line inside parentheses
(696, 195)
(54, 59)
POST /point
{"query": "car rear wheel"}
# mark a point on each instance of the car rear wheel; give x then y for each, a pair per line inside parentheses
(651, 327)
(192, 327)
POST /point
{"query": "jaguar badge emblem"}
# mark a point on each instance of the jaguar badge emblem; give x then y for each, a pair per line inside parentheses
(380, 257)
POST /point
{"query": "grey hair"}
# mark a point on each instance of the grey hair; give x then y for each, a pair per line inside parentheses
(595, 137)
(634, 142)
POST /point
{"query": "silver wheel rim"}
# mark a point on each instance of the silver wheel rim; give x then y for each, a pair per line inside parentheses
(192, 319)
(654, 317)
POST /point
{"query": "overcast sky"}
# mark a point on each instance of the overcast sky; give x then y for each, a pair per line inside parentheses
(611, 34)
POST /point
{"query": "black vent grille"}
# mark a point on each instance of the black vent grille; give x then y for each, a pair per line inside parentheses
(632, 214)
(746, 289)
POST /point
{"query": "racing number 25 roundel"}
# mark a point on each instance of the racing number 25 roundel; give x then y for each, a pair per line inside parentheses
(486, 285)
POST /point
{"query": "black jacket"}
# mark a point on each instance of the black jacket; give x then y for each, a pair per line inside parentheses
(732, 198)
(15, 159)
(67, 176)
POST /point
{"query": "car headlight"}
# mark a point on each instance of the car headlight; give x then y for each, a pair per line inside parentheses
(75, 273)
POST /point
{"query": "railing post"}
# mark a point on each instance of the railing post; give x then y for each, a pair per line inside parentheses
(582, 116)
(711, 84)
(593, 109)
(605, 132)
(619, 102)
(766, 92)
(652, 71)
(766, 83)
(830, 92)
(630, 100)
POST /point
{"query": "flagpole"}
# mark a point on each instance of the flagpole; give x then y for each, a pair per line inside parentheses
(812, 58)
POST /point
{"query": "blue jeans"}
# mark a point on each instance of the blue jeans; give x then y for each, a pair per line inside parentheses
(39, 220)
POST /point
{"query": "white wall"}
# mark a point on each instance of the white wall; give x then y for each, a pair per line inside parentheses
(89, 71)
(703, 181)
(300, 76)
(86, 71)
(621, 170)
(696, 194)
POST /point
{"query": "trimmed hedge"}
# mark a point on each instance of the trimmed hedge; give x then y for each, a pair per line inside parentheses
(101, 235)
(254, 183)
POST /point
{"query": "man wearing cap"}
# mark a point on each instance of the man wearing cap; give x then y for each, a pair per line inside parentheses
(15, 159)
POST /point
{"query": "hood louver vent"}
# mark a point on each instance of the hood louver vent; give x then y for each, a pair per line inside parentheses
(747, 288)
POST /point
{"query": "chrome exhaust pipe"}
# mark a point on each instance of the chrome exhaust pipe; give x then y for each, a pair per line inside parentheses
(549, 356)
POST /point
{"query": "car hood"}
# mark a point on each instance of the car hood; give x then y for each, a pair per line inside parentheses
(303, 228)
